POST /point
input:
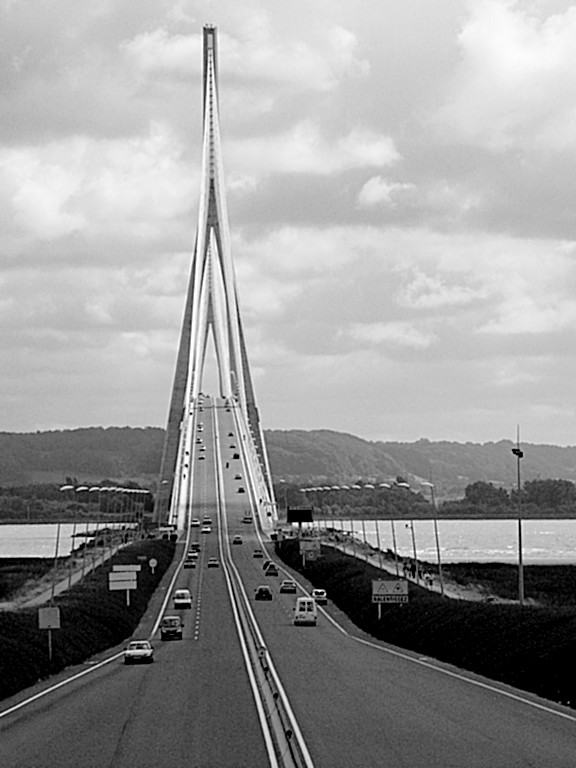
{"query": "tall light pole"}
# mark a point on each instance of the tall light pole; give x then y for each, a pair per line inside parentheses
(519, 455)
(433, 497)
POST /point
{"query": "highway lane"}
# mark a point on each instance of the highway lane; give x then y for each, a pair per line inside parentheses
(356, 704)
(192, 707)
(360, 705)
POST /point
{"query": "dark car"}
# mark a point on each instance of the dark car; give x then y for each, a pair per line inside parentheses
(258, 553)
(237, 540)
(171, 628)
(241, 490)
(271, 570)
(263, 593)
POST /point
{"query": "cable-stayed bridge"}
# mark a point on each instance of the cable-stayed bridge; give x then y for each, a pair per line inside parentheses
(212, 313)
(244, 686)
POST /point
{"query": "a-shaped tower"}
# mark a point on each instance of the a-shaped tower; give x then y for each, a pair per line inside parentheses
(211, 305)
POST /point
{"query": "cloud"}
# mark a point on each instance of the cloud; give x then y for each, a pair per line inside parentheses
(515, 85)
(379, 191)
(303, 149)
(398, 333)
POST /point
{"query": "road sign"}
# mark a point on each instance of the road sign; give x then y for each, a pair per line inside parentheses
(152, 563)
(49, 618)
(126, 567)
(389, 591)
(121, 577)
(309, 545)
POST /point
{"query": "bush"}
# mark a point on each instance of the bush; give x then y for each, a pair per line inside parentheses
(531, 648)
(92, 618)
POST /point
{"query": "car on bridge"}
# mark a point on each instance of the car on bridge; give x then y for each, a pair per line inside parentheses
(237, 540)
(305, 611)
(195, 523)
(201, 457)
(139, 652)
(258, 554)
(271, 570)
(241, 489)
(288, 586)
(320, 596)
(237, 477)
(263, 593)
(171, 628)
(213, 562)
(182, 598)
(190, 562)
(207, 520)
(205, 529)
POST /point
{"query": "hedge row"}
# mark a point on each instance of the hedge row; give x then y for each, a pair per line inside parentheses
(531, 648)
(92, 620)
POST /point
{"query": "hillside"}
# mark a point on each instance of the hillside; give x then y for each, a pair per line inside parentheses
(297, 456)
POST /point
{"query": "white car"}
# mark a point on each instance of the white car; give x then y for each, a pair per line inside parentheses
(205, 529)
(195, 523)
(320, 596)
(182, 598)
(139, 652)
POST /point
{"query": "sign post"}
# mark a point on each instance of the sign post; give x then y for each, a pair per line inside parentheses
(389, 591)
(49, 618)
(152, 563)
(124, 577)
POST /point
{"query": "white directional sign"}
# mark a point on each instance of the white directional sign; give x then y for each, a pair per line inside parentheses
(127, 567)
(309, 545)
(122, 577)
(390, 591)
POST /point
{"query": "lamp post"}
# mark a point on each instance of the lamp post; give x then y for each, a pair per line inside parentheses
(519, 455)
(440, 576)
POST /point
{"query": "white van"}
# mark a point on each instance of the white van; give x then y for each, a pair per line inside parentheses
(305, 611)
(182, 598)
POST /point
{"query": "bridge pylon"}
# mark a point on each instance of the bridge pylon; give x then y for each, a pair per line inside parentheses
(212, 311)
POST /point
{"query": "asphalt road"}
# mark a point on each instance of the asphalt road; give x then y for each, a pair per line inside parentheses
(358, 702)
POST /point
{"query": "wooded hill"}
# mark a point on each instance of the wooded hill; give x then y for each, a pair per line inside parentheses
(296, 456)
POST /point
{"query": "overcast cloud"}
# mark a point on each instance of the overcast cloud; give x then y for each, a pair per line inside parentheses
(401, 190)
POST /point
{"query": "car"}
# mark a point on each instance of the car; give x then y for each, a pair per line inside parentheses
(232, 445)
(213, 562)
(195, 523)
(237, 540)
(258, 553)
(199, 441)
(263, 593)
(230, 434)
(201, 457)
(305, 611)
(266, 564)
(271, 570)
(236, 456)
(171, 628)
(207, 520)
(194, 546)
(237, 477)
(190, 562)
(288, 586)
(241, 490)
(182, 598)
(192, 554)
(247, 518)
(200, 426)
(139, 652)
(202, 448)
(320, 596)
(205, 529)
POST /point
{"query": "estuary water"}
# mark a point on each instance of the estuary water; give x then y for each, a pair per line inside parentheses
(543, 541)
(39, 539)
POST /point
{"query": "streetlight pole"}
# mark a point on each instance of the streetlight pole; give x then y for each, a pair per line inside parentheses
(436, 536)
(519, 455)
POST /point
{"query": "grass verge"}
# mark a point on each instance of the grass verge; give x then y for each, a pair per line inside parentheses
(92, 620)
(529, 647)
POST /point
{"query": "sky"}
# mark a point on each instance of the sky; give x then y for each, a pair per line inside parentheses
(401, 186)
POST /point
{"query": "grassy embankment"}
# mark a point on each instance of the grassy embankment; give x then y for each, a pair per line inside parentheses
(532, 648)
(92, 619)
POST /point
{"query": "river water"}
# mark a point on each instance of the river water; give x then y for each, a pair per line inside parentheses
(39, 539)
(543, 541)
